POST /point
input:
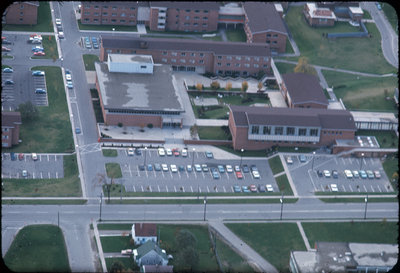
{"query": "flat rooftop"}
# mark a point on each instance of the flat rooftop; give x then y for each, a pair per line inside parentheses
(373, 117)
(359, 142)
(124, 58)
(146, 92)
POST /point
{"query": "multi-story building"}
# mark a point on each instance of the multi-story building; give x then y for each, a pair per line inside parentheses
(10, 122)
(22, 13)
(222, 58)
(303, 91)
(318, 16)
(255, 128)
(263, 24)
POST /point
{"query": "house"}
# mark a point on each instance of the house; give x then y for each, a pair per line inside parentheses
(255, 128)
(263, 24)
(150, 254)
(22, 13)
(143, 232)
(10, 122)
(343, 257)
(157, 268)
(201, 56)
(135, 92)
(303, 91)
(318, 16)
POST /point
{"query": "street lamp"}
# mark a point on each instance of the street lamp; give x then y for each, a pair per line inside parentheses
(362, 156)
(205, 207)
(193, 157)
(61, 59)
(101, 201)
(366, 203)
(145, 153)
(241, 155)
(281, 200)
(312, 167)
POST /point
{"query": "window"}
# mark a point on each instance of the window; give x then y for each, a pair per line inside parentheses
(113, 20)
(267, 130)
(105, 7)
(4, 129)
(95, 20)
(173, 60)
(132, 15)
(143, 67)
(205, 18)
(183, 61)
(164, 60)
(204, 25)
(114, 7)
(229, 57)
(105, 13)
(133, 8)
(275, 35)
(186, 24)
(237, 64)
(193, 54)
(247, 58)
(201, 54)
(183, 54)
(113, 14)
(218, 64)
(164, 53)
(201, 61)
(205, 11)
(123, 14)
(290, 131)
(197, 11)
(195, 24)
(174, 54)
(265, 66)
(268, 35)
(228, 64)
(268, 42)
(86, 13)
(188, 10)
(21, 7)
(257, 59)
(274, 42)
(196, 18)
(96, 14)
(246, 65)
(192, 61)
(96, 7)
(255, 129)
(21, 13)
(122, 21)
(187, 17)
(265, 59)
(302, 131)
(219, 57)
(278, 130)
(256, 65)
(313, 132)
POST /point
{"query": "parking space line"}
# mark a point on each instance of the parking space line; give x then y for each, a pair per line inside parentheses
(41, 175)
(386, 188)
(334, 158)
(129, 168)
(195, 175)
(322, 188)
(142, 188)
(134, 188)
(158, 188)
(344, 162)
(170, 174)
(379, 188)
(199, 189)
(224, 188)
(179, 174)
(166, 188)
(40, 158)
(187, 175)
(365, 188)
(372, 188)
(344, 189)
(48, 159)
(33, 175)
(150, 189)
(351, 188)
(191, 188)
(147, 175)
(162, 172)
(49, 174)
(208, 190)
(56, 174)
(351, 162)
(149, 154)
(227, 175)
(174, 188)
(216, 189)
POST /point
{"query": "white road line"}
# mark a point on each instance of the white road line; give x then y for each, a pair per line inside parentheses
(138, 172)
(372, 188)
(183, 189)
(166, 188)
(195, 175)
(203, 174)
(48, 174)
(150, 189)
(227, 175)
(55, 158)
(322, 188)
(351, 188)
(129, 168)
(145, 169)
(187, 175)
(199, 190)
(224, 188)
(365, 188)
(41, 175)
(162, 173)
(171, 174)
(48, 158)
(149, 154)
(344, 189)
(174, 188)
(56, 174)
(208, 190)
(216, 189)
(33, 175)
(179, 174)
(134, 188)
(158, 188)
(379, 188)
(142, 188)
(40, 158)
(191, 188)
(386, 188)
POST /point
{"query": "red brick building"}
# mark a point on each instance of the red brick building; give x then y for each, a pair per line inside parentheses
(256, 128)
(303, 91)
(22, 13)
(263, 24)
(10, 122)
(222, 58)
(318, 16)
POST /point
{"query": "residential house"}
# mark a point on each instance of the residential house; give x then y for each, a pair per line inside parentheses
(143, 232)
(318, 16)
(10, 122)
(22, 13)
(150, 254)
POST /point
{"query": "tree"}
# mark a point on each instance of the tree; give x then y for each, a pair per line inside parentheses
(188, 256)
(259, 85)
(193, 130)
(116, 267)
(28, 111)
(215, 85)
(185, 238)
(199, 86)
(228, 86)
(303, 67)
(245, 86)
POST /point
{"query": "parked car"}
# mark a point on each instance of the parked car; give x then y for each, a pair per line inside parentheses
(40, 91)
(68, 76)
(70, 85)
(204, 167)
(348, 173)
(289, 160)
(253, 188)
(131, 152)
(176, 152)
(61, 35)
(320, 173)
(38, 73)
(6, 49)
(21, 156)
(215, 174)
(229, 169)
(221, 168)
(174, 169)
(253, 168)
(197, 167)
(24, 173)
(261, 188)
(58, 21)
(6, 42)
(302, 158)
(184, 152)
(356, 174)
(36, 41)
(209, 154)
(236, 188)
(161, 152)
(9, 82)
(8, 70)
(269, 188)
(13, 156)
(181, 168)
(370, 174)
(335, 174)
(377, 174)
(237, 168)
(239, 175)
(189, 168)
(327, 173)
(157, 167)
(363, 174)
(138, 151)
(95, 45)
(256, 174)
(39, 53)
(168, 152)
(245, 169)
(245, 189)
(164, 167)
(37, 48)
(77, 130)
(34, 157)
(142, 167)
(334, 187)
(149, 167)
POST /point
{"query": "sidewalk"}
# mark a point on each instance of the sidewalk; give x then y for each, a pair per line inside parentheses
(99, 247)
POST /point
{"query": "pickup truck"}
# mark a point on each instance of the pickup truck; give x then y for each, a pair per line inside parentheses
(126, 251)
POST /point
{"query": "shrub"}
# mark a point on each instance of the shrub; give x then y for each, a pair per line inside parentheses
(120, 124)
(150, 125)
(228, 86)
(199, 86)
(215, 85)
(245, 86)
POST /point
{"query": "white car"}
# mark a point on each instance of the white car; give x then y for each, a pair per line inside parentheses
(164, 167)
(334, 187)
(58, 21)
(61, 35)
(24, 173)
(174, 169)
(269, 188)
(289, 160)
(184, 153)
(34, 156)
(237, 168)
(169, 152)
(327, 173)
(161, 152)
(68, 76)
(229, 169)
(256, 174)
(348, 173)
(197, 167)
(131, 152)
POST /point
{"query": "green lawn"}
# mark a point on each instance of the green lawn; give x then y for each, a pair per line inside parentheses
(258, 153)
(113, 170)
(110, 152)
(50, 48)
(272, 241)
(207, 261)
(283, 184)
(230, 260)
(391, 15)
(116, 243)
(45, 202)
(127, 263)
(38, 248)
(363, 93)
(212, 132)
(63, 187)
(180, 32)
(215, 38)
(275, 164)
(356, 232)
(358, 54)
(211, 112)
(289, 48)
(89, 60)
(391, 167)
(51, 132)
(44, 23)
(386, 139)
(106, 27)
(236, 35)
(114, 226)
(285, 68)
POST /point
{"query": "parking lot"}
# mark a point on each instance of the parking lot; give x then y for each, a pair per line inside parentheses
(137, 180)
(39, 82)
(307, 181)
(45, 167)
(7, 90)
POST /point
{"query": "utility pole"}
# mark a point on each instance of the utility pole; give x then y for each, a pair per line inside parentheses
(101, 201)
(362, 156)
(366, 204)
(312, 167)
(241, 156)
(58, 219)
(205, 207)
(281, 200)
(193, 158)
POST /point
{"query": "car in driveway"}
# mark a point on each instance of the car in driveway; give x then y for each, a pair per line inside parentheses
(245, 169)
(256, 174)
(261, 188)
(236, 188)
(157, 167)
(24, 173)
(174, 169)
(269, 188)
(34, 157)
(363, 174)
(209, 154)
(253, 188)
(245, 189)
(197, 167)
(327, 173)
(221, 168)
(377, 174)
(161, 152)
(131, 152)
(3, 48)
(239, 175)
(204, 167)
(289, 160)
(21, 156)
(370, 174)
(229, 169)
(40, 91)
(8, 70)
(164, 167)
(334, 187)
(38, 73)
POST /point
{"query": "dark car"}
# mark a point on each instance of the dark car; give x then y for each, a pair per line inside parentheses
(13, 156)
(142, 167)
(320, 173)
(181, 168)
(261, 188)
(335, 174)
(138, 152)
(245, 169)
(253, 168)
(149, 167)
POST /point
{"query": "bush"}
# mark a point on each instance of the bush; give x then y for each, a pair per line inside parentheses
(215, 85)
(245, 100)
(245, 86)
(120, 124)
(228, 86)
(150, 125)
(199, 86)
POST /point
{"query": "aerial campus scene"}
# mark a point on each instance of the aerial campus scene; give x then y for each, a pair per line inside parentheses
(199, 136)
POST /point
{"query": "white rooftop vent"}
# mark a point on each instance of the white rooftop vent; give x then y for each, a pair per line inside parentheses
(347, 253)
(335, 259)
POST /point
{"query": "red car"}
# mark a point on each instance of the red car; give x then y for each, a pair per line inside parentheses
(39, 53)
(253, 188)
(3, 48)
(175, 152)
(21, 156)
(239, 175)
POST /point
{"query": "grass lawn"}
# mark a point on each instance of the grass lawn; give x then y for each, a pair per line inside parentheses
(51, 132)
(236, 35)
(386, 139)
(45, 202)
(50, 48)
(113, 170)
(270, 242)
(7, 56)
(358, 54)
(391, 167)
(275, 164)
(211, 112)
(110, 152)
(89, 60)
(230, 260)
(207, 261)
(212, 132)
(285, 68)
(357, 232)
(44, 23)
(180, 32)
(116, 243)
(391, 15)
(63, 187)
(127, 263)
(215, 38)
(363, 93)
(106, 27)
(283, 184)
(289, 48)
(114, 226)
(259, 153)
(38, 248)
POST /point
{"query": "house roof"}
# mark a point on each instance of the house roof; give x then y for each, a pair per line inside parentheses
(145, 230)
(304, 88)
(149, 246)
(158, 268)
(218, 48)
(186, 5)
(319, 12)
(9, 119)
(307, 117)
(263, 17)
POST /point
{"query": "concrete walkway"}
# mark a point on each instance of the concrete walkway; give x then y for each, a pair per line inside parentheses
(289, 177)
(212, 122)
(141, 29)
(303, 235)
(252, 257)
(99, 246)
(223, 35)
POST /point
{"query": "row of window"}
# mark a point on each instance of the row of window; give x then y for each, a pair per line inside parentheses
(274, 35)
(245, 65)
(193, 54)
(273, 42)
(247, 58)
(106, 7)
(87, 13)
(4, 129)
(112, 20)
(128, 111)
(280, 130)
(165, 60)
(332, 133)
(4, 136)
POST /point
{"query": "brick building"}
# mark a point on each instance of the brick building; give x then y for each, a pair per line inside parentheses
(318, 16)
(22, 13)
(303, 91)
(263, 24)
(255, 128)
(10, 122)
(222, 58)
